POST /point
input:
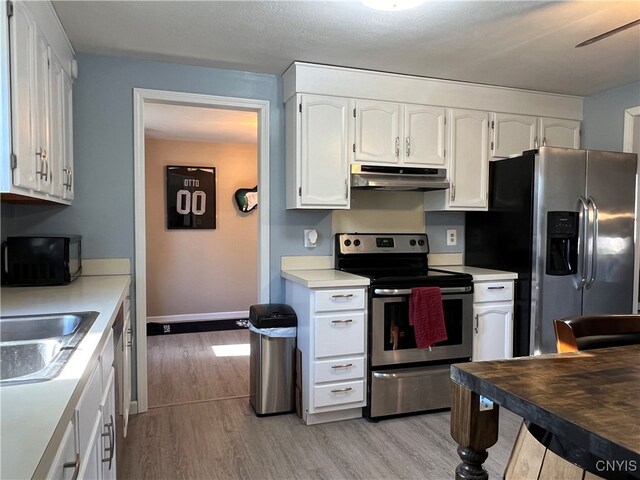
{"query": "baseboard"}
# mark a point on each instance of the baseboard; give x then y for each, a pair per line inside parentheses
(199, 317)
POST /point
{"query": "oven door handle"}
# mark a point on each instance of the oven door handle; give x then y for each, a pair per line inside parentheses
(419, 373)
(391, 292)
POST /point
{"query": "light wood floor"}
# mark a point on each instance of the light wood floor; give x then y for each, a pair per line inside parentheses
(223, 439)
(183, 368)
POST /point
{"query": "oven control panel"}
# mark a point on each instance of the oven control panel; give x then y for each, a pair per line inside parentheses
(353, 243)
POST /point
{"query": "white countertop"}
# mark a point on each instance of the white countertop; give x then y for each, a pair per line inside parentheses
(33, 414)
(479, 274)
(322, 278)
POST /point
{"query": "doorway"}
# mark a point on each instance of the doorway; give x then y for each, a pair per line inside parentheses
(145, 101)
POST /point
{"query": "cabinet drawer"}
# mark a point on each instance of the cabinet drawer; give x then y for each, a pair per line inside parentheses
(339, 334)
(493, 291)
(338, 394)
(343, 299)
(339, 370)
(106, 359)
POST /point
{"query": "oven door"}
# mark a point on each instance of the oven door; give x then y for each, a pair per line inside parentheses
(392, 338)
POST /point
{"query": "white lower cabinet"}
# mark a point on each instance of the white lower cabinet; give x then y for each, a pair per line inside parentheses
(87, 450)
(493, 320)
(332, 341)
(66, 463)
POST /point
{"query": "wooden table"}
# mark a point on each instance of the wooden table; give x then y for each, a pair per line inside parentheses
(589, 400)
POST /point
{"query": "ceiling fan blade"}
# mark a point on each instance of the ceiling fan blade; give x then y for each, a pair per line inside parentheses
(608, 34)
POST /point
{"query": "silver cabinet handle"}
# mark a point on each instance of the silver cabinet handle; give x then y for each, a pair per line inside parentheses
(341, 390)
(477, 323)
(344, 365)
(346, 189)
(75, 465)
(408, 146)
(342, 321)
(397, 146)
(70, 179)
(501, 287)
(110, 433)
(342, 295)
(594, 242)
(43, 155)
(453, 192)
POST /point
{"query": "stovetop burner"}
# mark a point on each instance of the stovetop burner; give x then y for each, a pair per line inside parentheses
(392, 260)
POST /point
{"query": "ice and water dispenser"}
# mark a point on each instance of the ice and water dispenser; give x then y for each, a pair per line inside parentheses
(562, 243)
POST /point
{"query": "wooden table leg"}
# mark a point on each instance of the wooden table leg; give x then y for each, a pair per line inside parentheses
(474, 430)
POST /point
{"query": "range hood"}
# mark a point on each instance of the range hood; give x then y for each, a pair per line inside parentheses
(398, 178)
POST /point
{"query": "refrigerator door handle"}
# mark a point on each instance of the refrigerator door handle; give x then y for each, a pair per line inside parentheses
(594, 241)
(582, 242)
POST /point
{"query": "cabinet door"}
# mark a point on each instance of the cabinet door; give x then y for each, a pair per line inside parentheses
(126, 368)
(324, 165)
(469, 159)
(67, 132)
(108, 409)
(559, 133)
(424, 132)
(512, 134)
(40, 112)
(66, 461)
(57, 140)
(22, 38)
(493, 338)
(378, 135)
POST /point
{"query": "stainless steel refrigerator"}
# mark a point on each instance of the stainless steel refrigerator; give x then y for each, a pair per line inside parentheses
(564, 220)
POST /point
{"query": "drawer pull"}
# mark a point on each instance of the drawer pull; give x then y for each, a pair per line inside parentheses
(345, 365)
(342, 295)
(75, 465)
(341, 390)
(342, 321)
(501, 287)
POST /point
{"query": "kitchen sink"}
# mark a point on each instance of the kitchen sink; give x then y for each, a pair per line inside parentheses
(35, 348)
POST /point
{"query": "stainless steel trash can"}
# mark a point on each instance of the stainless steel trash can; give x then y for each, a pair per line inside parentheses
(271, 366)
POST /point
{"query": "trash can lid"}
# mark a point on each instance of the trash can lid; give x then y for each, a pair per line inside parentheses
(272, 315)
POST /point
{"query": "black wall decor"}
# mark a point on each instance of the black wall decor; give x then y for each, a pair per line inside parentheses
(191, 197)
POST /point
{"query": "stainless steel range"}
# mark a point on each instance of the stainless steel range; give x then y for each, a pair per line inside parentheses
(403, 378)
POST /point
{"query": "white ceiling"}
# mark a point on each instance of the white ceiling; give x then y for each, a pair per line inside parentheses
(199, 124)
(525, 44)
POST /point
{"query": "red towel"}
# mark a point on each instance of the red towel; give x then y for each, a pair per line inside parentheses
(426, 316)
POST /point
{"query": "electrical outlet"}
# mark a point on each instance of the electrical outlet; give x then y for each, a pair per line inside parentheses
(452, 237)
(310, 238)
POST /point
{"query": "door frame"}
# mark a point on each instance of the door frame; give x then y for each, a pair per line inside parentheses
(631, 116)
(140, 97)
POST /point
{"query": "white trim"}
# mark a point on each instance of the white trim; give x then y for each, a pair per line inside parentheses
(632, 115)
(629, 114)
(140, 96)
(105, 266)
(133, 407)
(199, 317)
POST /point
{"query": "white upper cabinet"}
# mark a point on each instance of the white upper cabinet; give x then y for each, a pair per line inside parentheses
(468, 163)
(377, 132)
(555, 132)
(40, 68)
(424, 136)
(399, 134)
(513, 134)
(317, 152)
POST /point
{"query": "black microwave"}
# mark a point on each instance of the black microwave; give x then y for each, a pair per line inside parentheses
(41, 260)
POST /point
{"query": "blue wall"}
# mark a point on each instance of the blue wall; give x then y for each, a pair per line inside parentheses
(102, 211)
(603, 125)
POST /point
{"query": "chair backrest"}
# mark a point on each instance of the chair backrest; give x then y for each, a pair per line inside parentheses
(596, 331)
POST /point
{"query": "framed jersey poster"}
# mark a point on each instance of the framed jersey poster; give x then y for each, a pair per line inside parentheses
(191, 197)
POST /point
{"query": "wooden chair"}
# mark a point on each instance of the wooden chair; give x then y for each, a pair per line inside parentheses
(596, 331)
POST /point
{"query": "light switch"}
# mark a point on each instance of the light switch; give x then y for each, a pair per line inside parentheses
(310, 238)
